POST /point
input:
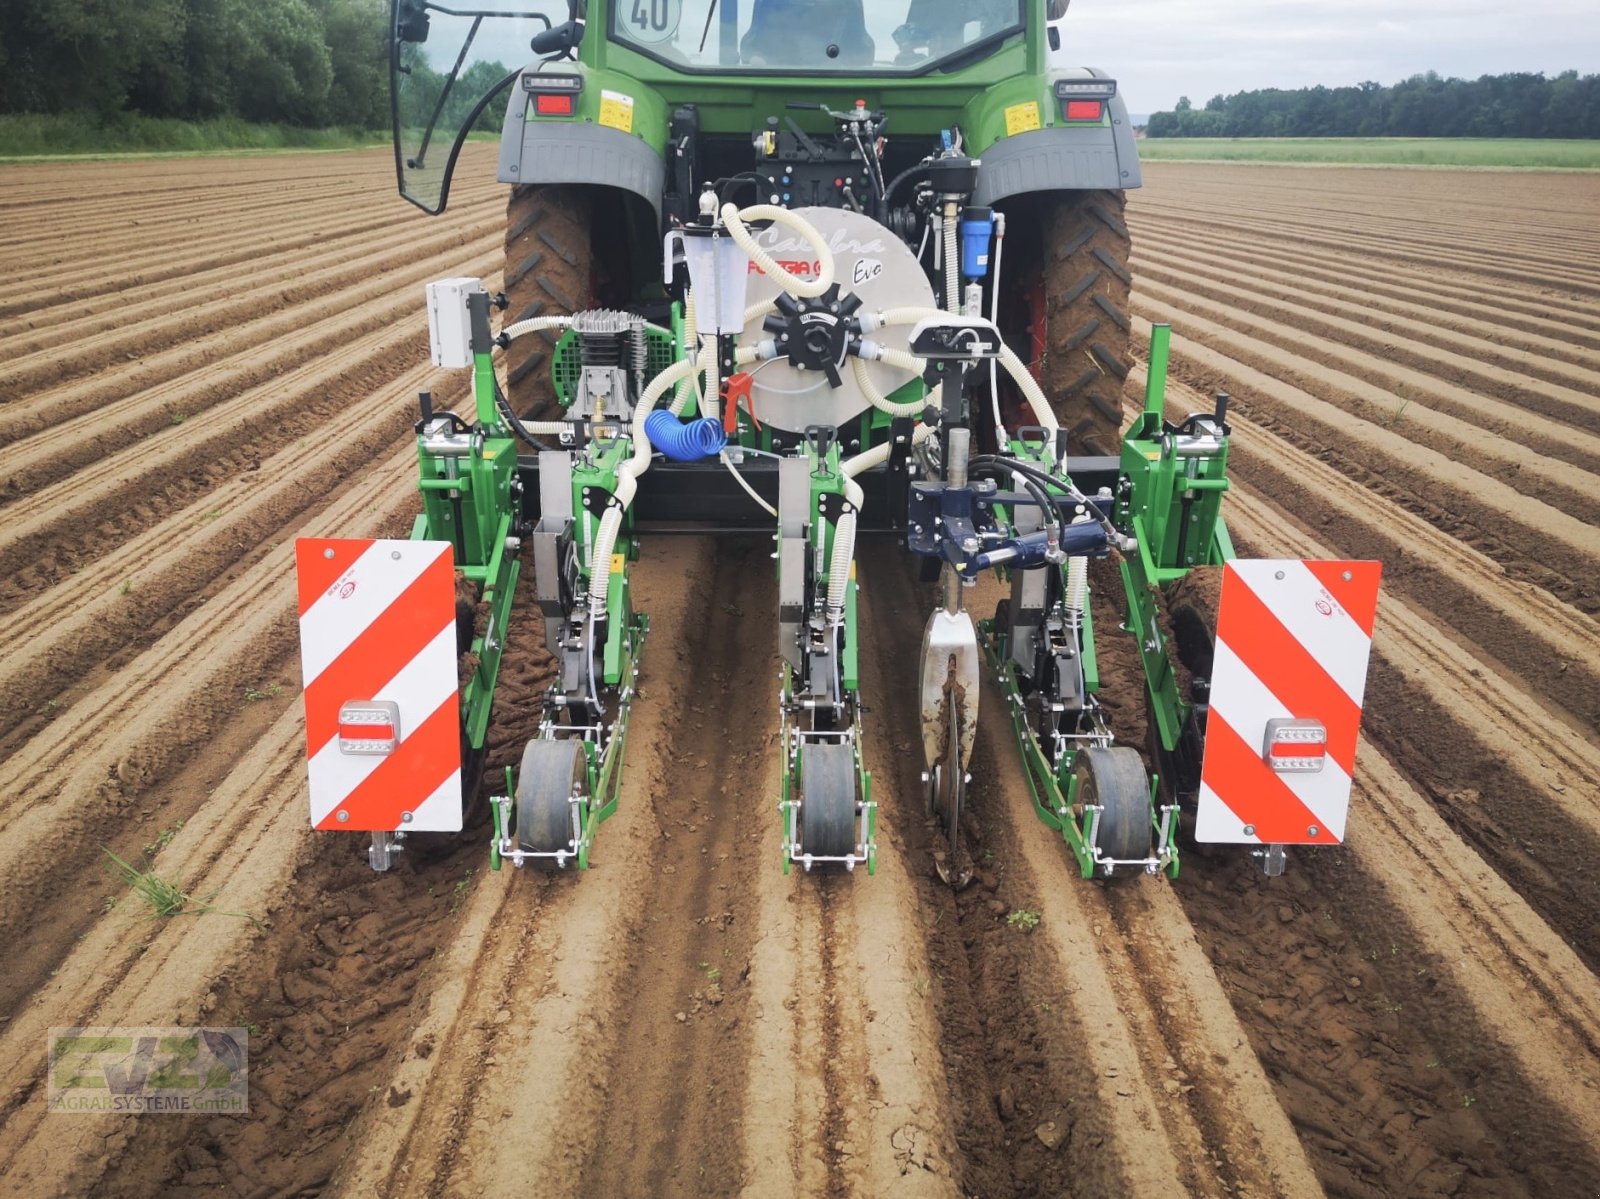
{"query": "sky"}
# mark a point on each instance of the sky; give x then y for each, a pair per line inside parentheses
(1159, 50)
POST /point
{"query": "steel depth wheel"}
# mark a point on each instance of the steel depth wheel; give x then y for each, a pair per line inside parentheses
(552, 772)
(1114, 778)
(827, 800)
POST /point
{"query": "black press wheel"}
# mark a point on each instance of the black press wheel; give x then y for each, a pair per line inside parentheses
(827, 800)
(1115, 778)
(551, 773)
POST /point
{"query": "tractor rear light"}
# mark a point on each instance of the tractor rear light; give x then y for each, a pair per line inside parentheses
(553, 106)
(536, 82)
(1084, 110)
(369, 727)
(1295, 746)
(1085, 89)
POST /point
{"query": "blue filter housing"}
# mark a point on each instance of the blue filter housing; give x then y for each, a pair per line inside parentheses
(977, 227)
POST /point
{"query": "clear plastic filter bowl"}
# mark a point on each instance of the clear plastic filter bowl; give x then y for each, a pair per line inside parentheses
(718, 271)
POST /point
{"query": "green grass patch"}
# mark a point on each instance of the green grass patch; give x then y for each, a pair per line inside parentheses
(1502, 152)
(91, 135)
(160, 896)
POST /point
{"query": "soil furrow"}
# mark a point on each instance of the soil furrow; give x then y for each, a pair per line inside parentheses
(1380, 290)
(1511, 623)
(1551, 535)
(74, 423)
(1383, 347)
(1527, 805)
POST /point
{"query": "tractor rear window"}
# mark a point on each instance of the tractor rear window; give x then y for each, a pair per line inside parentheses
(880, 36)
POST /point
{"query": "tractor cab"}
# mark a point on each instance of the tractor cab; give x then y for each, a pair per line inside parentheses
(452, 67)
(447, 66)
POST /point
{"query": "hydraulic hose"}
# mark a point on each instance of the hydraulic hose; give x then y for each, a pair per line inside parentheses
(684, 441)
(735, 220)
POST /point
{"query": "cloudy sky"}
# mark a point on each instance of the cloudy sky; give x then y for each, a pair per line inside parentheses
(1159, 50)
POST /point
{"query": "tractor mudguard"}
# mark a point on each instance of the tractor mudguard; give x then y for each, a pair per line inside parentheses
(577, 151)
(1056, 157)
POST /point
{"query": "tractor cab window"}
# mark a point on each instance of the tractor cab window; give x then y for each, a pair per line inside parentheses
(791, 36)
(445, 60)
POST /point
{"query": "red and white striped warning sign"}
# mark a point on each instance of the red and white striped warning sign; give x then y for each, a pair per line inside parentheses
(1287, 681)
(378, 657)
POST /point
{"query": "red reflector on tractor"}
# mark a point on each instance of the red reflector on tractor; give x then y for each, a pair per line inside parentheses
(553, 106)
(369, 727)
(1295, 746)
(1084, 110)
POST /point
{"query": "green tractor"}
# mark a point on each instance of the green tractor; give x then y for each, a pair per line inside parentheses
(818, 269)
(632, 106)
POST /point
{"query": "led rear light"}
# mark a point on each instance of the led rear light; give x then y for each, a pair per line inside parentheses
(1085, 89)
(1295, 746)
(369, 727)
(1084, 110)
(553, 106)
(538, 81)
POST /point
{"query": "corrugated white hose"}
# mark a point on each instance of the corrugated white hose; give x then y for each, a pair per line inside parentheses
(952, 269)
(876, 456)
(735, 220)
(1008, 359)
(606, 537)
(1077, 591)
(844, 549)
(534, 324)
(540, 428)
(844, 533)
(690, 387)
(704, 363)
(994, 315)
(906, 361)
(875, 397)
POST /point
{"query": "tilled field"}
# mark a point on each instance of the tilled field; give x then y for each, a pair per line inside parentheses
(201, 360)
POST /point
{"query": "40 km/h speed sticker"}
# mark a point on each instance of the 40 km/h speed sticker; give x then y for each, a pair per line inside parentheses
(652, 21)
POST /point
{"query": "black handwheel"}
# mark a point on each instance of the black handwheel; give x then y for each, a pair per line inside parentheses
(1115, 778)
(551, 773)
(827, 800)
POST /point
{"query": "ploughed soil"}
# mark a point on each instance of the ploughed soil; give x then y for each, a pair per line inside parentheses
(201, 360)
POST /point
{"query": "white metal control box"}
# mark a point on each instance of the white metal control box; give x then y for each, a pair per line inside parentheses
(449, 324)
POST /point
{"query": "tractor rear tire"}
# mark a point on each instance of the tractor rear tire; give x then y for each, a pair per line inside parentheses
(549, 270)
(1085, 355)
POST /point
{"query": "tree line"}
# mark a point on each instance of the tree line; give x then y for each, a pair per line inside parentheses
(1520, 104)
(312, 63)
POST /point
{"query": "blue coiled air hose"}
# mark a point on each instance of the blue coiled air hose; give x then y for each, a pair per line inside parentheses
(684, 441)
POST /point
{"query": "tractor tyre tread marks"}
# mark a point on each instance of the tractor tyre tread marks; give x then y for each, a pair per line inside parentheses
(549, 259)
(1087, 283)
